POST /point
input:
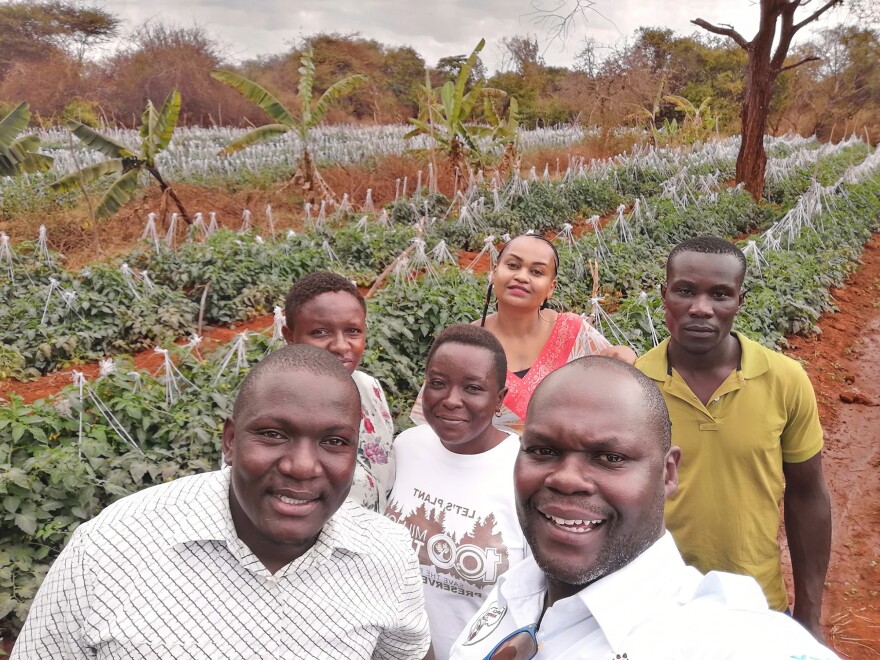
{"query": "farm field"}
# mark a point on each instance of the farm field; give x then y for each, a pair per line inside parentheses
(75, 436)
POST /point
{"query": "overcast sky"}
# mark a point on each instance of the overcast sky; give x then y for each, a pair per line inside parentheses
(435, 28)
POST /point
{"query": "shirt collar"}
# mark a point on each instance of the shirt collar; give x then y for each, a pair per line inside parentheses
(210, 518)
(753, 361)
(619, 602)
(212, 521)
(625, 599)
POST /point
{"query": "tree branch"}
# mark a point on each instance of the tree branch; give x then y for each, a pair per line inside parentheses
(558, 20)
(786, 34)
(723, 31)
(803, 61)
(816, 14)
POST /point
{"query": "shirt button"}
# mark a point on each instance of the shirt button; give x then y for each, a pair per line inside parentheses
(716, 399)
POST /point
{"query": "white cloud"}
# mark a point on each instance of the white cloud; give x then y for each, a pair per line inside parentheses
(435, 28)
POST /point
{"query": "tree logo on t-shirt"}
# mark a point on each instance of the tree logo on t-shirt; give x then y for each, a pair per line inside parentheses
(476, 558)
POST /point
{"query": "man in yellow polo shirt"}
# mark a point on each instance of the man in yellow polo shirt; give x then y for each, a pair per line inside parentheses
(746, 420)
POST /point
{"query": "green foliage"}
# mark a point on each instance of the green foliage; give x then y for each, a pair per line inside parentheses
(403, 320)
(157, 127)
(366, 252)
(95, 312)
(52, 480)
(311, 113)
(82, 111)
(244, 277)
(447, 114)
(18, 153)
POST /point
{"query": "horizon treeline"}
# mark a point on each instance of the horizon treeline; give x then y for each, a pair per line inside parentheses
(45, 47)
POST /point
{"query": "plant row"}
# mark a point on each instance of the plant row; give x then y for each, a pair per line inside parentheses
(63, 459)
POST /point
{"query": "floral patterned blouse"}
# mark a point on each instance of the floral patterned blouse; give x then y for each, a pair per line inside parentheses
(374, 472)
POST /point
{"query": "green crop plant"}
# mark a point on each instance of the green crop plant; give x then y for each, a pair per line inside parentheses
(447, 114)
(156, 130)
(311, 115)
(18, 153)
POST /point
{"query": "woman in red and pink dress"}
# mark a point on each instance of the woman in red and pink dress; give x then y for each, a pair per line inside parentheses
(536, 339)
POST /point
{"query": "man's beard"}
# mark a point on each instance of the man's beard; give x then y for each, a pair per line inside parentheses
(618, 550)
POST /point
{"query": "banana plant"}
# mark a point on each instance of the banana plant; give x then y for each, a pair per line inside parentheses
(311, 114)
(156, 129)
(447, 115)
(505, 131)
(18, 155)
(698, 123)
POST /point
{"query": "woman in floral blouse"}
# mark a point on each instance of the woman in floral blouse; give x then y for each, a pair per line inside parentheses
(326, 310)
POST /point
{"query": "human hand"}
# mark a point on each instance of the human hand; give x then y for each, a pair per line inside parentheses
(623, 353)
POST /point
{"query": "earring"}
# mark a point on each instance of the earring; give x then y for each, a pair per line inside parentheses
(544, 305)
(497, 413)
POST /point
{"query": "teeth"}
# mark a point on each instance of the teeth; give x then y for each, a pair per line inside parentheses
(290, 500)
(573, 523)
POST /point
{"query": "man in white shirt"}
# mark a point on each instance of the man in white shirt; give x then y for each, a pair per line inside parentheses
(606, 580)
(263, 559)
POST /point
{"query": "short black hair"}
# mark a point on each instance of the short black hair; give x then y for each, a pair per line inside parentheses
(540, 238)
(652, 398)
(313, 285)
(472, 335)
(707, 245)
(294, 357)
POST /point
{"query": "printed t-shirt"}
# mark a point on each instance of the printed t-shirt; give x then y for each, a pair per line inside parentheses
(725, 514)
(460, 512)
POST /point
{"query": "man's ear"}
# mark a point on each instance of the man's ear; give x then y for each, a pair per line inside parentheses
(287, 333)
(228, 440)
(670, 471)
(663, 291)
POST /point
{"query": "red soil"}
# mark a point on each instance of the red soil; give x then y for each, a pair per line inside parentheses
(844, 365)
(48, 385)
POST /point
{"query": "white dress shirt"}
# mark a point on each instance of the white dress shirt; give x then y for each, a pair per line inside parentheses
(162, 574)
(655, 607)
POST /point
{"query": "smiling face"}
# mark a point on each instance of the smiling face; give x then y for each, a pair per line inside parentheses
(702, 295)
(591, 479)
(292, 447)
(461, 395)
(334, 321)
(525, 275)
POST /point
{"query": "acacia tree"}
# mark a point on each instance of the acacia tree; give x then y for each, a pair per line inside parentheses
(31, 30)
(764, 66)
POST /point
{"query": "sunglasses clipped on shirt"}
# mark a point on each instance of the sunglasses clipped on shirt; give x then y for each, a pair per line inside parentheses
(521, 644)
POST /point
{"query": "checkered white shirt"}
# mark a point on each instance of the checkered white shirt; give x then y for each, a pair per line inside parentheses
(162, 574)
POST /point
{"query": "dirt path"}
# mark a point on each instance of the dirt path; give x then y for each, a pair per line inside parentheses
(844, 365)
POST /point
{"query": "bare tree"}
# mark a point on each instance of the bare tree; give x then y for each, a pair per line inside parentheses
(558, 16)
(764, 66)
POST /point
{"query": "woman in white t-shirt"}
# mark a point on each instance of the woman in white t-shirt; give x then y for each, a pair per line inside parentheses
(454, 486)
